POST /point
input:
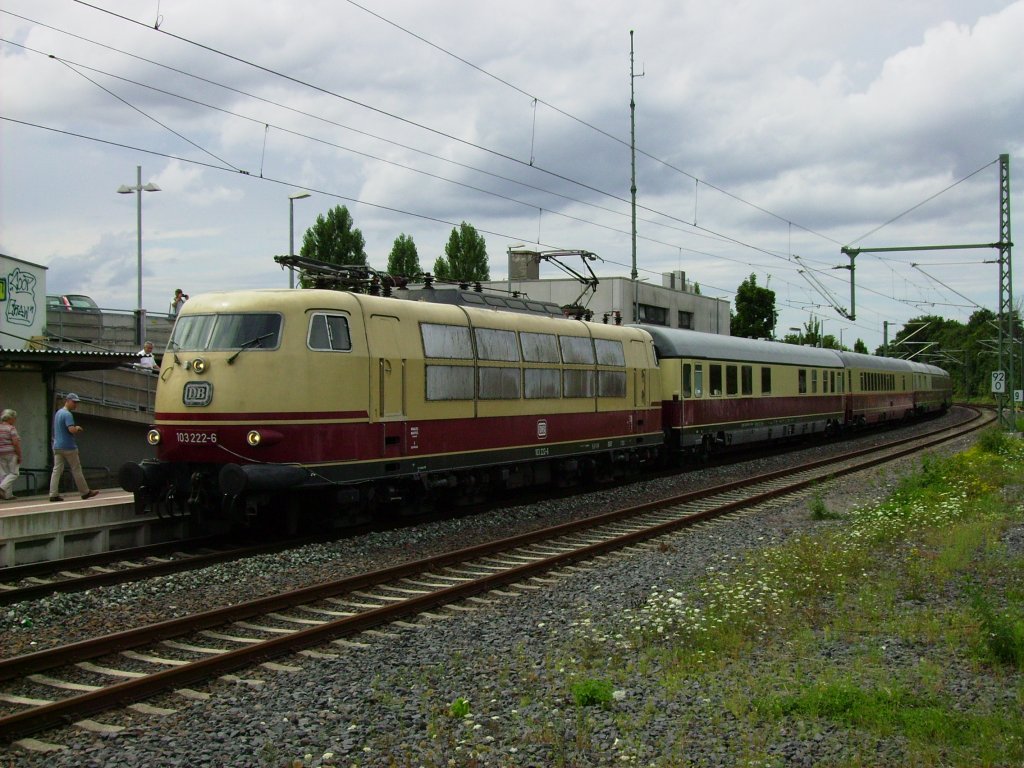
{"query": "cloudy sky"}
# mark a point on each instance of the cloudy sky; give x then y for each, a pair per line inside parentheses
(766, 139)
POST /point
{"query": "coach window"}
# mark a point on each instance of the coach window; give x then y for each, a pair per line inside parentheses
(698, 380)
(747, 380)
(802, 381)
(832, 380)
(766, 381)
(446, 341)
(329, 333)
(687, 375)
(449, 382)
(539, 347)
(731, 384)
(498, 383)
(541, 383)
(609, 352)
(715, 385)
(496, 344)
(814, 381)
(577, 383)
(577, 350)
(611, 383)
(824, 382)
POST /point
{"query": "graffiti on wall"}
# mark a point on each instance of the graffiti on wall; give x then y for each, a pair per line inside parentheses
(18, 296)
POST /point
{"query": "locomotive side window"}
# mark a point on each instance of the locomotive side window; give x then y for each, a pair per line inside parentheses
(449, 382)
(577, 383)
(495, 344)
(747, 380)
(611, 383)
(802, 381)
(539, 347)
(715, 372)
(766, 381)
(498, 383)
(609, 352)
(730, 380)
(687, 374)
(577, 350)
(541, 383)
(698, 380)
(448, 341)
(329, 333)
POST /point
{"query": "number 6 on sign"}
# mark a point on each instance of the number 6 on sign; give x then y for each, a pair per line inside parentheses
(998, 382)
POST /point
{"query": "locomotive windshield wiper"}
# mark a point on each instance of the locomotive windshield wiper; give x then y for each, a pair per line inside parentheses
(250, 343)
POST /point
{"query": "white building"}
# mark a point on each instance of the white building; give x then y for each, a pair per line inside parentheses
(672, 304)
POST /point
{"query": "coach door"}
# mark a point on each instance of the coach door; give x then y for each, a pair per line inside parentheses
(385, 354)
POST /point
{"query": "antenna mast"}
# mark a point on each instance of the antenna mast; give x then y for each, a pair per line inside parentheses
(632, 178)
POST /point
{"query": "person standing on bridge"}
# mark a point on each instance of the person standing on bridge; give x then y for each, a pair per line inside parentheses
(10, 453)
(65, 450)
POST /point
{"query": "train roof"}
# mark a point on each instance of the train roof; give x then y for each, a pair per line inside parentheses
(676, 342)
(857, 359)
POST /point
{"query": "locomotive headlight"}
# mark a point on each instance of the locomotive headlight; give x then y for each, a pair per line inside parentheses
(253, 438)
(153, 437)
(198, 365)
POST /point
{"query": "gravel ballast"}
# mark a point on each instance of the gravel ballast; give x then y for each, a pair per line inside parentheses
(385, 702)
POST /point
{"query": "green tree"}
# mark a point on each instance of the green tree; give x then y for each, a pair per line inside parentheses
(465, 256)
(333, 239)
(404, 260)
(860, 346)
(756, 315)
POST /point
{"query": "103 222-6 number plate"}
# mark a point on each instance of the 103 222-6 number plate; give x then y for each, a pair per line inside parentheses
(198, 438)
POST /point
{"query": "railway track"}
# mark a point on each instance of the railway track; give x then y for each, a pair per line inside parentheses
(105, 672)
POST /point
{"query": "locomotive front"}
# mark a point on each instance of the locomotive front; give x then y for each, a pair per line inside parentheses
(241, 384)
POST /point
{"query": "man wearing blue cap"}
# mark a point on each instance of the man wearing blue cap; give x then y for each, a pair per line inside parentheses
(65, 450)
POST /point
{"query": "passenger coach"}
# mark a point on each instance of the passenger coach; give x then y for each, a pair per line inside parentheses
(721, 390)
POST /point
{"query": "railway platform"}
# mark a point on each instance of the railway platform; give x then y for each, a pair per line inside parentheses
(35, 529)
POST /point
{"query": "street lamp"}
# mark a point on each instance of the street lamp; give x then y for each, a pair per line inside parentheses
(291, 232)
(124, 189)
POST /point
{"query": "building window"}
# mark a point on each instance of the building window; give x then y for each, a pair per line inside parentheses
(651, 314)
(686, 320)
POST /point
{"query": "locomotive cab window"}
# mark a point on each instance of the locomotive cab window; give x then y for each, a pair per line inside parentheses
(228, 331)
(329, 333)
